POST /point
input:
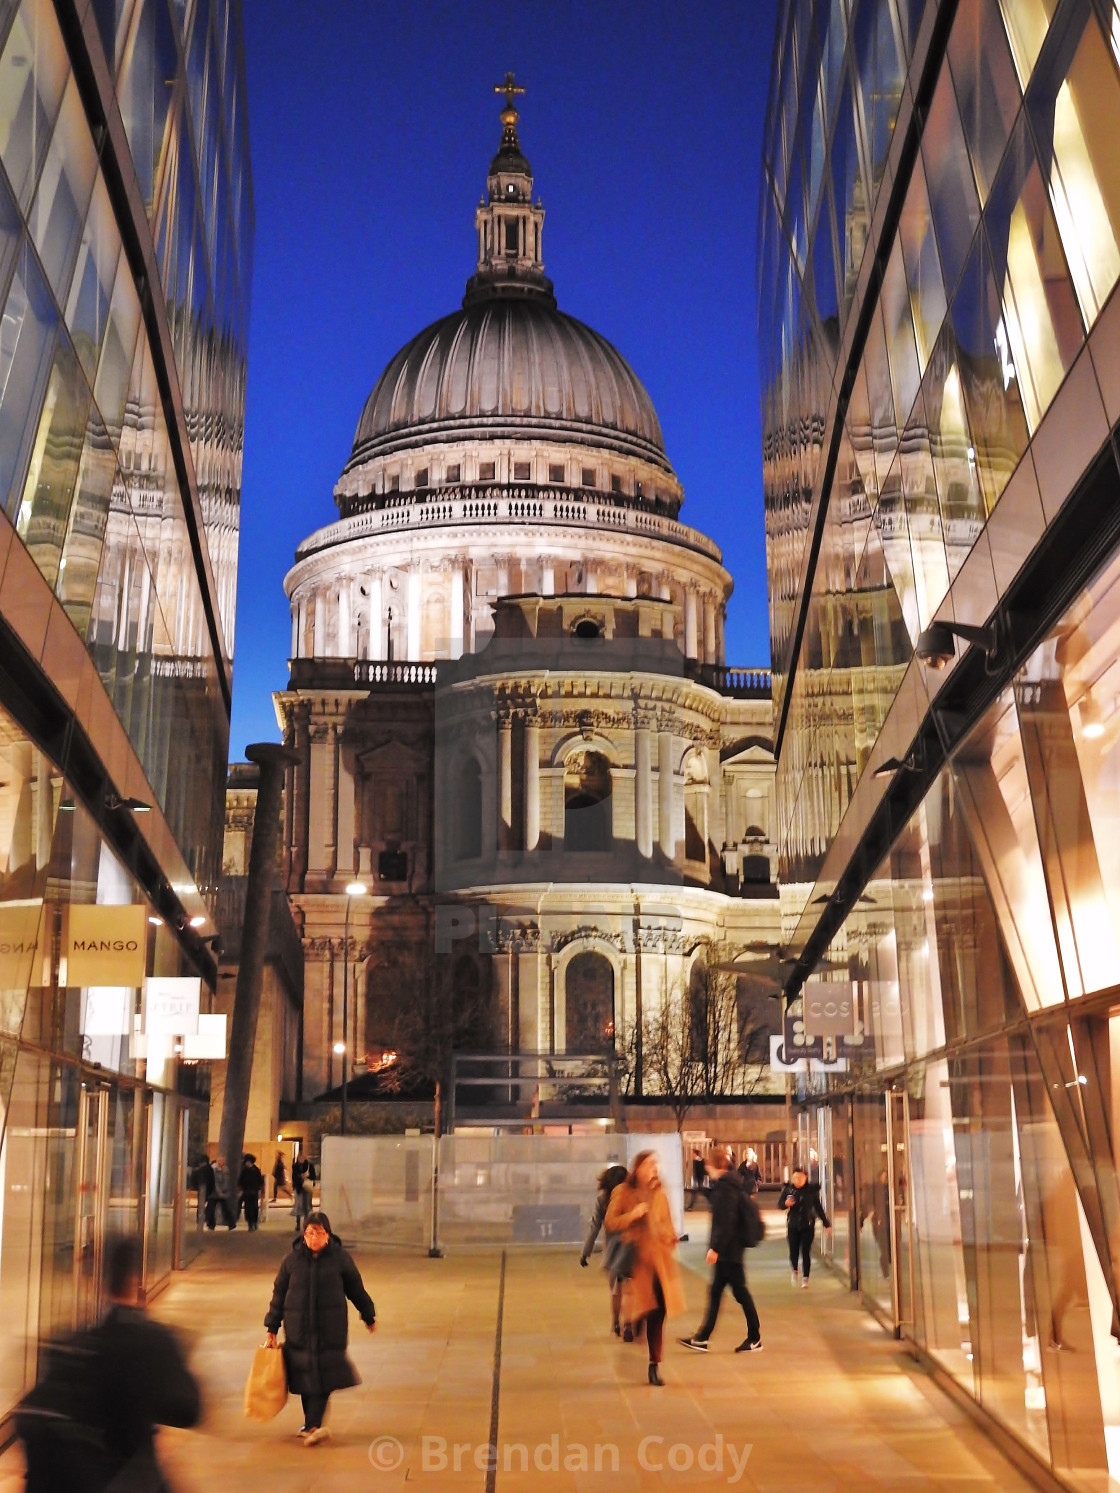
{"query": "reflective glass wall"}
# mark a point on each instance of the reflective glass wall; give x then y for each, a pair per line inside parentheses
(939, 311)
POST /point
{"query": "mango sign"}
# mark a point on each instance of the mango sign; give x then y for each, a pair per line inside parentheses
(105, 945)
(20, 935)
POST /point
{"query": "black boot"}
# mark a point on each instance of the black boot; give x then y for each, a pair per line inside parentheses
(654, 1376)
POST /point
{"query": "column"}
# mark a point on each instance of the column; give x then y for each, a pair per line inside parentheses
(319, 639)
(591, 585)
(344, 647)
(505, 781)
(532, 782)
(710, 630)
(631, 583)
(643, 789)
(548, 576)
(412, 617)
(690, 623)
(376, 646)
(666, 836)
(296, 619)
(502, 562)
(458, 608)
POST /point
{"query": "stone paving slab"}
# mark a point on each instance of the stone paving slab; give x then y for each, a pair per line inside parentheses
(832, 1404)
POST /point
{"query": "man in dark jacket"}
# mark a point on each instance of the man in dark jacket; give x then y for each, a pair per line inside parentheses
(309, 1298)
(250, 1185)
(725, 1252)
(89, 1425)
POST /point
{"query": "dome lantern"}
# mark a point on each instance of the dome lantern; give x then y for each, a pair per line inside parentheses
(509, 227)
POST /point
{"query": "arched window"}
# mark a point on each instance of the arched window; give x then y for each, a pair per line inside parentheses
(587, 802)
(589, 1004)
(468, 809)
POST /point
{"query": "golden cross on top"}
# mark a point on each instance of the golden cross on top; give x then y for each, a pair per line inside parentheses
(509, 88)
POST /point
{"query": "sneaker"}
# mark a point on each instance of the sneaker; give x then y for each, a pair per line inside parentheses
(697, 1344)
(794, 1277)
(750, 1345)
(315, 1435)
(805, 1284)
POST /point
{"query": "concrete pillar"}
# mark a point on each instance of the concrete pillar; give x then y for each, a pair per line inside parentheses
(666, 835)
(412, 617)
(272, 761)
(532, 783)
(319, 640)
(643, 792)
(505, 783)
(376, 644)
(690, 639)
(457, 610)
(344, 647)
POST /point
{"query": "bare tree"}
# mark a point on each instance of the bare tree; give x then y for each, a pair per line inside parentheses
(669, 1060)
(725, 1036)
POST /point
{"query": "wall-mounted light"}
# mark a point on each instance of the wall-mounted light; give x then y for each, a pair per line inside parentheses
(913, 762)
(1092, 726)
(935, 646)
(155, 922)
(198, 920)
(339, 1049)
(136, 805)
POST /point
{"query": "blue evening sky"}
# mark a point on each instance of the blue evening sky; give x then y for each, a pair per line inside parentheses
(372, 123)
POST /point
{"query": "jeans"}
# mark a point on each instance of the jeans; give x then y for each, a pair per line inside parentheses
(213, 1203)
(729, 1273)
(314, 1408)
(801, 1241)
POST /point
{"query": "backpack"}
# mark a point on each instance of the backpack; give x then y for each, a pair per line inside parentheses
(752, 1230)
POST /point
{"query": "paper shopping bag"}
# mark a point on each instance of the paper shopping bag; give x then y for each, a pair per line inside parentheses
(266, 1389)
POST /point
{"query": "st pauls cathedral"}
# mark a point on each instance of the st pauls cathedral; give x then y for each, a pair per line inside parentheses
(517, 728)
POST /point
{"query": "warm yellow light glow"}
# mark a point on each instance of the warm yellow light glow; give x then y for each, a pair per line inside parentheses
(356, 889)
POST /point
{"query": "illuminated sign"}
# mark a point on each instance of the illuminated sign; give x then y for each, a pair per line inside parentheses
(105, 945)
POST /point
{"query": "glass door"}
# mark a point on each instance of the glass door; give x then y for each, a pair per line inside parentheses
(90, 1200)
(899, 1215)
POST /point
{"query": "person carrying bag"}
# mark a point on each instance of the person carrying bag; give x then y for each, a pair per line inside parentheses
(266, 1389)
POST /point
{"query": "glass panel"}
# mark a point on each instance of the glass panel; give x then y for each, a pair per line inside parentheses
(33, 72)
(923, 269)
(899, 328)
(91, 291)
(44, 508)
(1026, 22)
(1040, 314)
(853, 214)
(144, 89)
(987, 89)
(59, 209)
(27, 338)
(881, 76)
(1074, 106)
(873, 1193)
(89, 513)
(952, 191)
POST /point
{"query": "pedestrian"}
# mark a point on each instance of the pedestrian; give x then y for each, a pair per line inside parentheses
(309, 1298)
(303, 1190)
(250, 1185)
(203, 1179)
(699, 1176)
(802, 1201)
(280, 1178)
(613, 1248)
(89, 1424)
(750, 1173)
(729, 1237)
(221, 1190)
(639, 1211)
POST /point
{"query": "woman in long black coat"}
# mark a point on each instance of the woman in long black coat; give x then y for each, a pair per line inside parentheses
(309, 1298)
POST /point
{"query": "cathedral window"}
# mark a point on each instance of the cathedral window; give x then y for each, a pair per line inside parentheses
(395, 482)
(555, 471)
(589, 1004)
(468, 844)
(422, 477)
(587, 802)
(522, 471)
(486, 471)
(616, 484)
(453, 472)
(513, 237)
(589, 476)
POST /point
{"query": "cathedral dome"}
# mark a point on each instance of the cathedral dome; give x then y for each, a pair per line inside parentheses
(509, 365)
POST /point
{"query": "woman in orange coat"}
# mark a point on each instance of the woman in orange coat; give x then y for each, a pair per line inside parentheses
(639, 1211)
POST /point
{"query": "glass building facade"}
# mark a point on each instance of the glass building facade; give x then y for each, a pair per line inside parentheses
(125, 238)
(939, 251)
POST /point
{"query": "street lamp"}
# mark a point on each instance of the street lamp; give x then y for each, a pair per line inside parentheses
(353, 889)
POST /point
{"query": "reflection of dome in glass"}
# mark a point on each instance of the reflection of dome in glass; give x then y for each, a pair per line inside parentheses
(508, 366)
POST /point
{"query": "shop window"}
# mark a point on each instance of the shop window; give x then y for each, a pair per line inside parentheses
(587, 802)
(522, 471)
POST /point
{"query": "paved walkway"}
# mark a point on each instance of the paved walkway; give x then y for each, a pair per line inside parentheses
(831, 1404)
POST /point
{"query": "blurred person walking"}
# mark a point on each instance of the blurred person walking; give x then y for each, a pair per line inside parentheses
(801, 1200)
(750, 1173)
(639, 1212)
(250, 1186)
(736, 1226)
(309, 1299)
(280, 1178)
(221, 1191)
(615, 1252)
(89, 1424)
